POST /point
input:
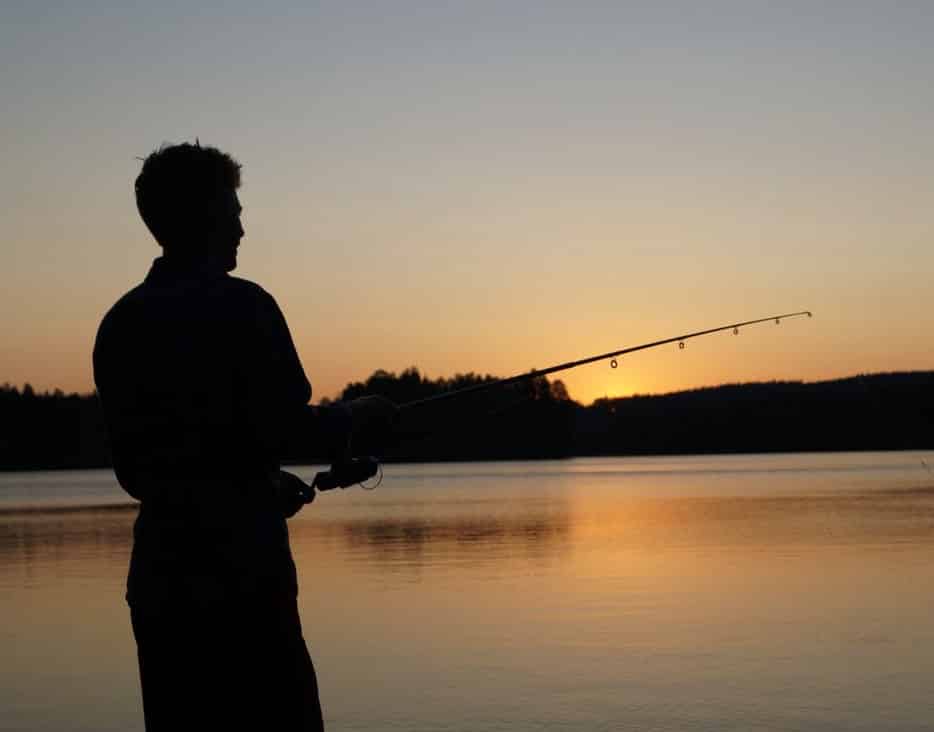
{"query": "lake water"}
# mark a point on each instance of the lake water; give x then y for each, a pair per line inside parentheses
(779, 592)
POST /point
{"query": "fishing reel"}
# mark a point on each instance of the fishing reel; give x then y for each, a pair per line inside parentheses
(293, 492)
(352, 471)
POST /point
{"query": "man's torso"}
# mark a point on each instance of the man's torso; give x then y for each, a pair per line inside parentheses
(195, 372)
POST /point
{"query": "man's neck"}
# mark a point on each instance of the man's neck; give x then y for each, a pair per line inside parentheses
(173, 267)
(195, 264)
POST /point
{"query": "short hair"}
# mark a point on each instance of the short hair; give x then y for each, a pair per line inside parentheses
(177, 183)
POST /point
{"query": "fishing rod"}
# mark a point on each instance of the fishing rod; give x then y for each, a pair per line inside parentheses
(612, 355)
(360, 469)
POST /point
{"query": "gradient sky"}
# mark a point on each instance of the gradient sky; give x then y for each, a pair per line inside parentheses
(491, 186)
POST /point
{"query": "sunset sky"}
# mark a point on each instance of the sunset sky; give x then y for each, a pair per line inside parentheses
(491, 186)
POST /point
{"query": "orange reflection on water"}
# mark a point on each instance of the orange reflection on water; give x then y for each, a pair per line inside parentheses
(586, 592)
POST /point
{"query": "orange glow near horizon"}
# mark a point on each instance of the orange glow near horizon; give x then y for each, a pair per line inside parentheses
(60, 357)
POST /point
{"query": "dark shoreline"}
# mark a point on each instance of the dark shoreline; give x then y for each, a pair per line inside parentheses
(878, 412)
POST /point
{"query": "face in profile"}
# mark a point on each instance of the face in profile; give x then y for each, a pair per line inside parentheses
(224, 230)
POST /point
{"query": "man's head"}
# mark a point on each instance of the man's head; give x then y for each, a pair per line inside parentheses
(187, 196)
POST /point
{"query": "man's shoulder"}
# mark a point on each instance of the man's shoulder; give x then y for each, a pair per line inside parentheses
(242, 296)
(247, 288)
(252, 297)
(228, 286)
(124, 303)
(113, 328)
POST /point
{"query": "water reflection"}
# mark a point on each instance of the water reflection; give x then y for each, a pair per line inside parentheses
(468, 538)
(858, 518)
(579, 600)
(90, 542)
(417, 532)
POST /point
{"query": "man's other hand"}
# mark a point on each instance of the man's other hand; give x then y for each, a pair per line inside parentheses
(293, 493)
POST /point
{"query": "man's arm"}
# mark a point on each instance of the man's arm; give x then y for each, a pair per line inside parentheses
(279, 393)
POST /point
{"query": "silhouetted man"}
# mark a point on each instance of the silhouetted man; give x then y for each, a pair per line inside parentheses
(202, 391)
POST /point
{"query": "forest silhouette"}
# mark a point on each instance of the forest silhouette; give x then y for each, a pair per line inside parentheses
(538, 419)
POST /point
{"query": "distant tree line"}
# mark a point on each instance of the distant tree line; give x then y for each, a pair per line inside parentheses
(50, 430)
(893, 411)
(538, 419)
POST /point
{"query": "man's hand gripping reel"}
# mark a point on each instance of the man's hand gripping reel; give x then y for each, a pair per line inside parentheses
(346, 473)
